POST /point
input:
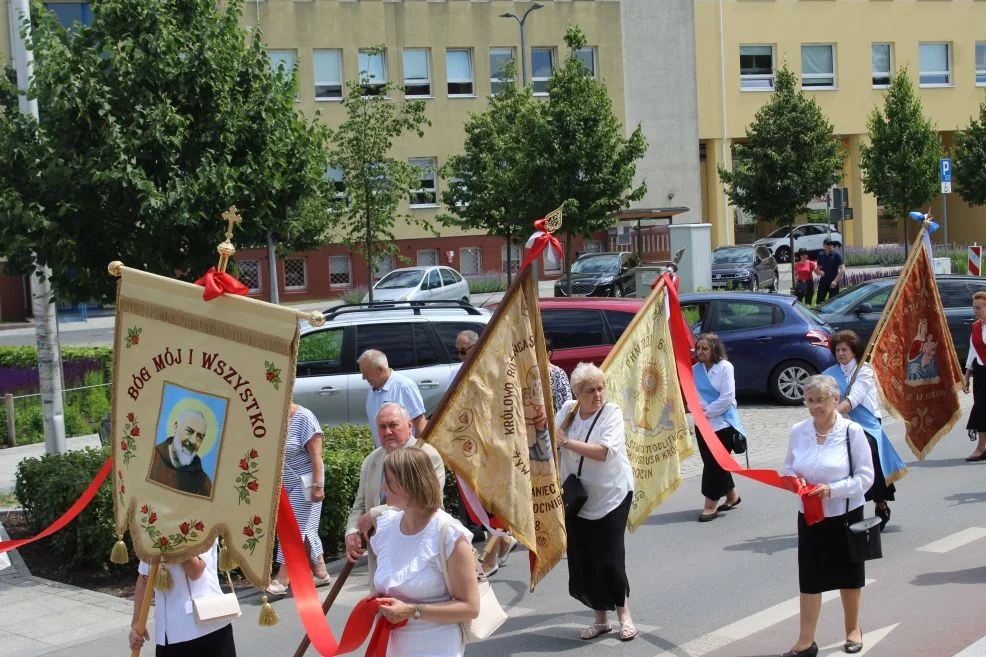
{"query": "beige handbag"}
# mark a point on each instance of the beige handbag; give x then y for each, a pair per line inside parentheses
(491, 614)
(215, 608)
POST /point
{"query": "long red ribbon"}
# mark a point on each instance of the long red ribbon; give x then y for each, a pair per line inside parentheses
(69, 515)
(680, 334)
(217, 283)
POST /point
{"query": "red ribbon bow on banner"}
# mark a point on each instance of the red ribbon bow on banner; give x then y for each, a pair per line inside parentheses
(539, 241)
(217, 283)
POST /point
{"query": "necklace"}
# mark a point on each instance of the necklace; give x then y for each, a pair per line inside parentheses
(822, 434)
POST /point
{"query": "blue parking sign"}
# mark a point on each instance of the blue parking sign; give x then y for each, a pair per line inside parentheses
(945, 169)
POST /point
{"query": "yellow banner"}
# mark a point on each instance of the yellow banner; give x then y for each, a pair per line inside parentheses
(495, 428)
(201, 393)
(641, 378)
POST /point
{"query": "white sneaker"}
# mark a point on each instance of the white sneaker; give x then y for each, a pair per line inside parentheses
(276, 587)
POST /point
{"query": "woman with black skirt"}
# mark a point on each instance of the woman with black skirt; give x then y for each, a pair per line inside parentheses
(975, 369)
(716, 385)
(818, 454)
(592, 445)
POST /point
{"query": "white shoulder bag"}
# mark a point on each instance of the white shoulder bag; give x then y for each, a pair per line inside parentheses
(214, 608)
(491, 614)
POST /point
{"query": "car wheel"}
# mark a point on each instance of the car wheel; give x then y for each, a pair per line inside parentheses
(783, 254)
(787, 381)
(617, 291)
(466, 299)
(773, 288)
(755, 284)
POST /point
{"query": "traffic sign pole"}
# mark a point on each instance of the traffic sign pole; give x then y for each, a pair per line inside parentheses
(945, 174)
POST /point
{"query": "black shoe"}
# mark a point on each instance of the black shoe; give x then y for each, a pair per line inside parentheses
(884, 515)
(729, 507)
(810, 651)
(852, 647)
(707, 517)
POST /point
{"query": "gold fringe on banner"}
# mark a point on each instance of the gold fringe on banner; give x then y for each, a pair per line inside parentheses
(163, 582)
(268, 616)
(226, 560)
(119, 552)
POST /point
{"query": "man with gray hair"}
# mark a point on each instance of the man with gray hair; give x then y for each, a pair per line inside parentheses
(386, 385)
(394, 426)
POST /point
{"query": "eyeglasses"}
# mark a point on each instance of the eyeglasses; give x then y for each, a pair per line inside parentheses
(463, 352)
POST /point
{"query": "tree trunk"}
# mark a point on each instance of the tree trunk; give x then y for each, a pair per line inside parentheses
(49, 362)
(274, 296)
(907, 236)
(369, 255)
(509, 262)
(565, 256)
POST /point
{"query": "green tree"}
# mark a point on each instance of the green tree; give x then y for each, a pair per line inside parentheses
(153, 120)
(970, 160)
(375, 182)
(584, 161)
(494, 185)
(900, 164)
(791, 156)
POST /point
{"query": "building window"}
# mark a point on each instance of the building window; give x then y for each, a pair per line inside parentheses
(936, 65)
(295, 274)
(282, 60)
(327, 68)
(883, 65)
(249, 274)
(818, 66)
(516, 251)
(335, 175)
(340, 271)
(981, 64)
(372, 72)
(470, 261)
(553, 262)
(499, 58)
(587, 56)
(385, 263)
(757, 68)
(428, 258)
(458, 65)
(417, 73)
(69, 13)
(592, 246)
(426, 194)
(542, 64)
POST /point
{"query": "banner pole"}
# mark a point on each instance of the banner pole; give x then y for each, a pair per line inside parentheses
(327, 604)
(145, 603)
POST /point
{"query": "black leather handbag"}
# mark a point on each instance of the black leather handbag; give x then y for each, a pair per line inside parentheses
(572, 491)
(863, 536)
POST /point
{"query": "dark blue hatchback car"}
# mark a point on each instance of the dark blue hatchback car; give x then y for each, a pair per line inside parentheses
(773, 341)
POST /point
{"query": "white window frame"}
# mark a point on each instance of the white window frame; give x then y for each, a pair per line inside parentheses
(427, 264)
(417, 82)
(284, 55)
(260, 277)
(553, 263)
(335, 175)
(349, 267)
(516, 256)
(980, 68)
(372, 83)
(542, 79)
(479, 260)
(386, 263)
(593, 52)
(825, 80)
(890, 63)
(428, 164)
(326, 82)
(753, 81)
(471, 80)
(494, 80)
(304, 271)
(947, 73)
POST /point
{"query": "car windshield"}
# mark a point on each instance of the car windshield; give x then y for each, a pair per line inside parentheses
(400, 278)
(596, 265)
(739, 255)
(807, 313)
(845, 301)
(780, 232)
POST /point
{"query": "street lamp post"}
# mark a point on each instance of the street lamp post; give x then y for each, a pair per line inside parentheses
(523, 43)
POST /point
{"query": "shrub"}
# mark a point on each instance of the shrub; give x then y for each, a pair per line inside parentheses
(355, 295)
(486, 283)
(49, 485)
(19, 367)
(857, 277)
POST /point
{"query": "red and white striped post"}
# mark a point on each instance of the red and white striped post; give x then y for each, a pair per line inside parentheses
(975, 260)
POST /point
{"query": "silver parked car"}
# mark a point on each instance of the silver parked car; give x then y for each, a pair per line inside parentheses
(420, 284)
(417, 337)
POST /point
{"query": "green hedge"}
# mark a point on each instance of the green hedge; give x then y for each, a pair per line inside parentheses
(27, 357)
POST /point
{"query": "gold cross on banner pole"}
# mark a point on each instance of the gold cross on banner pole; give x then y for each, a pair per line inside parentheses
(226, 248)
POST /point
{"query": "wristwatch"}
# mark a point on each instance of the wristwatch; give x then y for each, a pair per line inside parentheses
(318, 484)
(417, 612)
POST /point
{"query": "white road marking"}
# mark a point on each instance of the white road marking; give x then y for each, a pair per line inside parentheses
(956, 540)
(978, 649)
(744, 627)
(870, 639)
(4, 561)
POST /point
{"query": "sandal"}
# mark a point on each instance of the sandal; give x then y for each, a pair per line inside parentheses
(627, 631)
(325, 580)
(852, 647)
(595, 630)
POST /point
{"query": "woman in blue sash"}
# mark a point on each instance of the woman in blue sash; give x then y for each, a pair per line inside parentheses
(716, 386)
(862, 405)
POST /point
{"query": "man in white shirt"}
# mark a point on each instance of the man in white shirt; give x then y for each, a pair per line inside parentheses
(386, 385)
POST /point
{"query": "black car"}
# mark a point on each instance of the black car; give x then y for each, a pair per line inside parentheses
(601, 275)
(744, 267)
(859, 307)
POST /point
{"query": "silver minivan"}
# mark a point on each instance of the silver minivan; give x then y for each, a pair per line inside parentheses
(417, 337)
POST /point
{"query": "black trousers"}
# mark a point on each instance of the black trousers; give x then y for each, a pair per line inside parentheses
(215, 644)
(805, 291)
(716, 482)
(826, 290)
(597, 572)
(977, 416)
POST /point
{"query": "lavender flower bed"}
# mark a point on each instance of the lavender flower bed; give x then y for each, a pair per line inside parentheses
(24, 380)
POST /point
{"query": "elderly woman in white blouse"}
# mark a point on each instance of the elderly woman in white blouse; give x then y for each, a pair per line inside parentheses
(819, 454)
(592, 445)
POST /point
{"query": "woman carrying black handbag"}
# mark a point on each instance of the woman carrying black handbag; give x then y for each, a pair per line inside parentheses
(592, 447)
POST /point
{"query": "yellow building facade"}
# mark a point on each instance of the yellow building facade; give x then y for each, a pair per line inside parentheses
(843, 51)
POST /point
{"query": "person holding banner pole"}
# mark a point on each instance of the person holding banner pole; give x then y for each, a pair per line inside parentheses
(592, 445)
(716, 385)
(861, 404)
(818, 455)
(975, 369)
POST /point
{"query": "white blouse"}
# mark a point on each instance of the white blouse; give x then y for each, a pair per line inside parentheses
(863, 389)
(973, 356)
(606, 482)
(828, 463)
(722, 377)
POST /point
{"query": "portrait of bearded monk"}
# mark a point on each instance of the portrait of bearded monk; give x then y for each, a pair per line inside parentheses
(176, 463)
